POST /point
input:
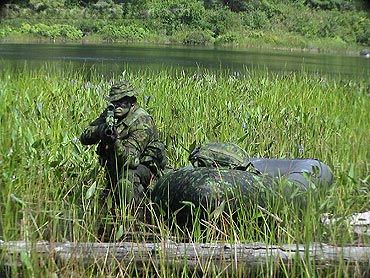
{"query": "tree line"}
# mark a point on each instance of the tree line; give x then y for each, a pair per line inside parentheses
(233, 5)
(192, 21)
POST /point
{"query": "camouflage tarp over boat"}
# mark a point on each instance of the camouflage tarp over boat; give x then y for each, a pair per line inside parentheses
(207, 187)
(203, 186)
(223, 171)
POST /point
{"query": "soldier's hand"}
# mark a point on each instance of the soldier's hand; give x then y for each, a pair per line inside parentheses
(111, 135)
(106, 134)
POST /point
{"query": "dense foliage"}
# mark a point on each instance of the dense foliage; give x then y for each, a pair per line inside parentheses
(51, 184)
(303, 23)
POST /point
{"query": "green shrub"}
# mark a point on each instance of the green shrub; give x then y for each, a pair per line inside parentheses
(90, 26)
(349, 26)
(330, 4)
(44, 30)
(178, 14)
(364, 38)
(222, 20)
(110, 32)
(135, 8)
(304, 23)
(256, 34)
(25, 28)
(107, 8)
(270, 8)
(40, 5)
(128, 33)
(255, 20)
(69, 32)
(5, 31)
(55, 31)
(228, 38)
(357, 27)
(198, 37)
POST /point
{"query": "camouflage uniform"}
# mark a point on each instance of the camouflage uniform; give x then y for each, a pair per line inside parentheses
(135, 157)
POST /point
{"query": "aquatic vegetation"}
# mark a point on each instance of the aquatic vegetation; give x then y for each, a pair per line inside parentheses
(50, 183)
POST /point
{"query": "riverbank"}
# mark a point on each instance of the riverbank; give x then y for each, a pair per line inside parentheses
(296, 44)
(289, 26)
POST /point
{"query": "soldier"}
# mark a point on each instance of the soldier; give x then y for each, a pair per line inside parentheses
(130, 150)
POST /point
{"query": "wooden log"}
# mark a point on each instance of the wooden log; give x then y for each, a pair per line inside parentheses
(192, 254)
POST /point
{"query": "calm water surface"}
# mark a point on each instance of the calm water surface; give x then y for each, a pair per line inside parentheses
(112, 59)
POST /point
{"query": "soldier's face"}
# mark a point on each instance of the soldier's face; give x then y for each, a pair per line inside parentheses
(122, 107)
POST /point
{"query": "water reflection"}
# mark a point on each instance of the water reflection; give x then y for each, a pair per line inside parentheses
(109, 59)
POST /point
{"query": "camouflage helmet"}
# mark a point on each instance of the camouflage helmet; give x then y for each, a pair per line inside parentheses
(120, 90)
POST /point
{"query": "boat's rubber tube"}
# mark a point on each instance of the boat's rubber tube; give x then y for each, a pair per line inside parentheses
(300, 171)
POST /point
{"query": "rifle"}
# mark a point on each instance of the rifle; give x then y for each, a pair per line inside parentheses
(110, 120)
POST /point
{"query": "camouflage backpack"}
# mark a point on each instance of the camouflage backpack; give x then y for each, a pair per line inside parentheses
(224, 155)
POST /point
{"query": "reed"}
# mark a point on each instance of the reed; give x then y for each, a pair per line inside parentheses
(51, 183)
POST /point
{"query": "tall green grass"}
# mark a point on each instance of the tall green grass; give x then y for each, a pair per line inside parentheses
(50, 183)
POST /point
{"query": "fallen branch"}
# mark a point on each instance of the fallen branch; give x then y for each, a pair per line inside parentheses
(193, 254)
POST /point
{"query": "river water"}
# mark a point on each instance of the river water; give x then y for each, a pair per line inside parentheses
(111, 59)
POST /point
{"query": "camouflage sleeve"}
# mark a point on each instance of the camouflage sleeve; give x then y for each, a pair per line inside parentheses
(90, 135)
(130, 148)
